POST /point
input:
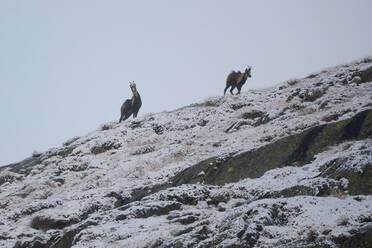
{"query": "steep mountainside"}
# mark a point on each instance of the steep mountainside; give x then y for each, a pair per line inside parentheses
(286, 166)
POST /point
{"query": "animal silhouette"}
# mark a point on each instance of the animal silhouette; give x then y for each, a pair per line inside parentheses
(237, 80)
(131, 106)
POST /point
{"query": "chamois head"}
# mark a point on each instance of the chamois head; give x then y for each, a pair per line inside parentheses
(247, 72)
(132, 86)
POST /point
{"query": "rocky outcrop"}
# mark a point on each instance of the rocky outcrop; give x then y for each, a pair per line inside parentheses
(295, 150)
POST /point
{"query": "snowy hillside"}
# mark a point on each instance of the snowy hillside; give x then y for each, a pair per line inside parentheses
(181, 178)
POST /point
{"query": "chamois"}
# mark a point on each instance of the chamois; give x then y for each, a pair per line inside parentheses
(237, 80)
(131, 106)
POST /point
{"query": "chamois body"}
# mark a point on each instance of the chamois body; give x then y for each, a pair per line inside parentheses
(131, 106)
(236, 79)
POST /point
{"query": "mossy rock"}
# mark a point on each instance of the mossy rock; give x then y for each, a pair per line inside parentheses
(46, 223)
(359, 181)
(294, 191)
(304, 244)
(365, 74)
(361, 238)
(294, 150)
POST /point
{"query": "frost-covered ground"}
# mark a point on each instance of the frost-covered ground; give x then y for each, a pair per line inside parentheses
(86, 186)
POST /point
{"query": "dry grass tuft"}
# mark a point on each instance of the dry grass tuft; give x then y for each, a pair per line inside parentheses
(36, 154)
(70, 141)
(292, 81)
(338, 193)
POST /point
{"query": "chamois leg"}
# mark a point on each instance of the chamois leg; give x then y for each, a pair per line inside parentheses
(135, 114)
(227, 86)
(125, 116)
(122, 117)
(231, 90)
(239, 89)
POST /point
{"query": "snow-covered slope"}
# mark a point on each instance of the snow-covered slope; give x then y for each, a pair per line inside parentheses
(113, 187)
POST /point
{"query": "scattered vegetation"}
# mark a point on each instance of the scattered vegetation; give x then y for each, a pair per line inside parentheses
(252, 114)
(70, 141)
(7, 177)
(158, 129)
(312, 75)
(338, 193)
(335, 115)
(107, 126)
(65, 151)
(143, 150)
(310, 95)
(292, 94)
(343, 221)
(106, 146)
(292, 82)
(311, 236)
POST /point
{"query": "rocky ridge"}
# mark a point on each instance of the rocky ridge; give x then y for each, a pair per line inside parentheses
(286, 166)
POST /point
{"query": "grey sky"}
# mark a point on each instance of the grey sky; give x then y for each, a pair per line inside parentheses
(65, 65)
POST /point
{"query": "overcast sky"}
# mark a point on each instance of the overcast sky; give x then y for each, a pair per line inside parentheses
(65, 65)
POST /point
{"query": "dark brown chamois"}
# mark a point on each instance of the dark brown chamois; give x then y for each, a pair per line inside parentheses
(237, 80)
(131, 106)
